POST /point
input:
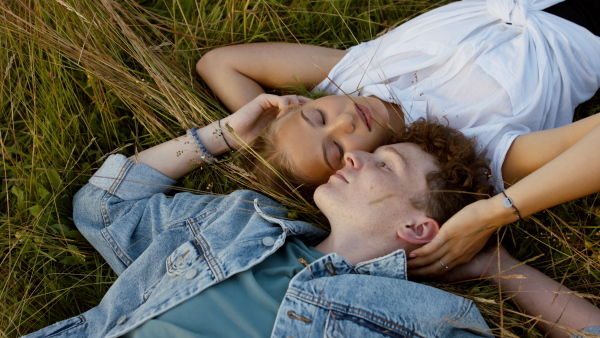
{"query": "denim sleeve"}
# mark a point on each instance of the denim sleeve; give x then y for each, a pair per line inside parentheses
(592, 329)
(123, 209)
(127, 180)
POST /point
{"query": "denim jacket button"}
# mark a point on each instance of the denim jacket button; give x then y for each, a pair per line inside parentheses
(191, 274)
(268, 241)
(122, 320)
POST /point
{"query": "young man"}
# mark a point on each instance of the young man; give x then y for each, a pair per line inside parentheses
(233, 265)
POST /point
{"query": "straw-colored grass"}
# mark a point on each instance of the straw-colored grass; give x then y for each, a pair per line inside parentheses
(82, 79)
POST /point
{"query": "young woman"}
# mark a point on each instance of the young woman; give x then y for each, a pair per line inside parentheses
(496, 70)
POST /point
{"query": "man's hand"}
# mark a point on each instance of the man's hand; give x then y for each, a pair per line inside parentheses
(458, 240)
(250, 120)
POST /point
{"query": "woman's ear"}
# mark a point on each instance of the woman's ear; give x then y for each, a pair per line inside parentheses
(421, 231)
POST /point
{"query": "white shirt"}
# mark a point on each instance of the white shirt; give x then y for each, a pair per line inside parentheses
(494, 69)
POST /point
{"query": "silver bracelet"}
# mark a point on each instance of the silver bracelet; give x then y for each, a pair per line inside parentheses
(507, 202)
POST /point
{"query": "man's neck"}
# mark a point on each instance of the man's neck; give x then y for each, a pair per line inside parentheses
(354, 250)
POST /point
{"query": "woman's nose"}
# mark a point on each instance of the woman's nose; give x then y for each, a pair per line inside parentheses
(343, 123)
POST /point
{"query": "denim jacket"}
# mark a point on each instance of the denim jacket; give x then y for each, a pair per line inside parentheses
(168, 249)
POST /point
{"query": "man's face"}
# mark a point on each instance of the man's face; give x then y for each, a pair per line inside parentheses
(374, 188)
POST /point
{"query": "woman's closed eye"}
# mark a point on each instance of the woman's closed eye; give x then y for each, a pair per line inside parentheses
(341, 153)
(322, 116)
(334, 154)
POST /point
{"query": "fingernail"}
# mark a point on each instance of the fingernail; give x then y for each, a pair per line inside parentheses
(412, 255)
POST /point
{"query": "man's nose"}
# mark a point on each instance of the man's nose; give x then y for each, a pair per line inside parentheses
(355, 159)
(342, 124)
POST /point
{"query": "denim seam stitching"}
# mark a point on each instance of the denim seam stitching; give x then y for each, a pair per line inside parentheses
(116, 248)
(121, 255)
(117, 180)
(211, 260)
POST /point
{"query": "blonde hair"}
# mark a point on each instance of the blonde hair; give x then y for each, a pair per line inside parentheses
(271, 166)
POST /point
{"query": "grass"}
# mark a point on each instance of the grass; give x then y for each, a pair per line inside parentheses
(82, 79)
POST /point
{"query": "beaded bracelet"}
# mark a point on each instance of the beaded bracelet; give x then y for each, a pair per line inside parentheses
(507, 202)
(204, 154)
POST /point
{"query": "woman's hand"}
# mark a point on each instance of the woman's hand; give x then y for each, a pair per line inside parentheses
(483, 265)
(458, 240)
(250, 120)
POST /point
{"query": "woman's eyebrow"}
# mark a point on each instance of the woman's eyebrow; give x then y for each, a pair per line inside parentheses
(306, 118)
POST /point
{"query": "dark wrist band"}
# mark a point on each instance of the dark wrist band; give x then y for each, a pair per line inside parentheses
(220, 133)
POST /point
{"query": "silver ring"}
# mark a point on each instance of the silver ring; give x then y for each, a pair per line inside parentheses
(439, 241)
(444, 265)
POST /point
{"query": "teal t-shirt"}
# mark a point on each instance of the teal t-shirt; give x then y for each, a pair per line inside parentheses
(244, 305)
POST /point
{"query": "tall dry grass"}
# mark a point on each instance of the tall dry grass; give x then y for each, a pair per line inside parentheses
(82, 79)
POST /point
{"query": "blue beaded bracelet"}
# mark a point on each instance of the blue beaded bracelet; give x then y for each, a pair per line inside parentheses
(204, 154)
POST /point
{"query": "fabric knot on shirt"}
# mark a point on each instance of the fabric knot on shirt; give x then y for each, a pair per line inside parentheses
(510, 11)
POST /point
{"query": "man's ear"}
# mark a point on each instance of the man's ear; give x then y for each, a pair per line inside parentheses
(421, 231)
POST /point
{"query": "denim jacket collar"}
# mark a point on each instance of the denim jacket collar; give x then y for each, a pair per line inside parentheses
(307, 231)
(392, 265)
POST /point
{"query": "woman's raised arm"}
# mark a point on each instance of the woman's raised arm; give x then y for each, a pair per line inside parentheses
(559, 311)
(239, 73)
(180, 156)
(573, 173)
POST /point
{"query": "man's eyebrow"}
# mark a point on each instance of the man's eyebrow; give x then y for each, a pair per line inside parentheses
(306, 118)
(392, 150)
(325, 157)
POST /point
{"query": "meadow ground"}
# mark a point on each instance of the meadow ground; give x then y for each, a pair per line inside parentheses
(83, 79)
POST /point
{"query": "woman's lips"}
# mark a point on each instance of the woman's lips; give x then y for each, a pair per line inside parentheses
(365, 115)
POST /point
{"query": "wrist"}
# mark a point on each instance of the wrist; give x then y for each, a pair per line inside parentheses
(212, 142)
(500, 266)
(497, 213)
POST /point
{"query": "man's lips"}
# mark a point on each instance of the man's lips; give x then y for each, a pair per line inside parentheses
(338, 174)
(365, 115)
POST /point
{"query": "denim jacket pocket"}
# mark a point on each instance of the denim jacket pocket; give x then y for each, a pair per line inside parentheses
(345, 324)
(183, 258)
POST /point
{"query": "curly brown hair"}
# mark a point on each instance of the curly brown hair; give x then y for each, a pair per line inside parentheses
(462, 177)
(461, 180)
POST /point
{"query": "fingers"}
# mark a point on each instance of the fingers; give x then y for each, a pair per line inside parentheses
(282, 101)
(428, 253)
(437, 268)
(303, 99)
(293, 99)
(428, 248)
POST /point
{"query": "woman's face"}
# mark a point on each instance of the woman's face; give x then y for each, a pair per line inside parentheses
(316, 136)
